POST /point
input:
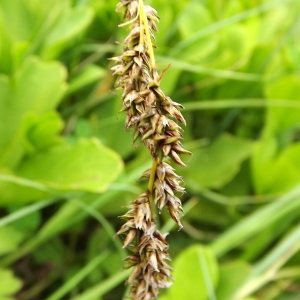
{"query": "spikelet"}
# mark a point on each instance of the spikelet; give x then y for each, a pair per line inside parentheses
(152, 116)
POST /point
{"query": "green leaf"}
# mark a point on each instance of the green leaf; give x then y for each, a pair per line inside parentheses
(10, 239)
(71, 24)
(8, 284)
(42, 131)
(5, 49)
(232, 275)
(36, 88)
(187, 24)
(276, 153)
(18, 18)
(84, 166)
(184, 65)
(268, 167)
(198, 50)
(286, 88)
(214, 166)
(87, 166)
(196, 274)
(214, 27)
(111, 132)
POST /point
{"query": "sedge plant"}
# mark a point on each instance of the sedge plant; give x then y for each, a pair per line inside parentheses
(153, 117)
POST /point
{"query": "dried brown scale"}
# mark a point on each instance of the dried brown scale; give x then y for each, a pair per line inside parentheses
(152, 116)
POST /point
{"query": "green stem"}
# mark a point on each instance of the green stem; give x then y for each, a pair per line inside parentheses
(141, 7)
(150, 186)
(144, 20)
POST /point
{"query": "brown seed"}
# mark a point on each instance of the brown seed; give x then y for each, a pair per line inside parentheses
(176, 158)
(129, 237)
(153, 261)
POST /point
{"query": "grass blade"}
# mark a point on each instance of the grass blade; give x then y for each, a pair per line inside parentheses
(265, 270)
(226, 74)
(233, 103)
(105, 224)
(26, 182)
(102, 288)
(256, 222)
(27, 210)
(77, 278)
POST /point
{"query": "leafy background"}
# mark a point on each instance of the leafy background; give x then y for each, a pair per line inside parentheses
(68, 168)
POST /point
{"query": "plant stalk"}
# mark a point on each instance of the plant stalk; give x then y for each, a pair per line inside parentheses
(144, 21)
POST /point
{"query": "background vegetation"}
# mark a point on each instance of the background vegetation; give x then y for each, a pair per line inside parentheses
(68, 168)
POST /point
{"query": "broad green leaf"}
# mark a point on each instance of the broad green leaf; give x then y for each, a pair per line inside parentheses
(6, 63)
(232, 275)
(273, 22)
(215, 165)
(260, 58)
(9, 284)
(196, 274)
(108, 126)
(275, 154)
(230, 8)
(268, 177)
(111, 132)
(87, 165)
(83, 129)
(187, 26)
(18, 18)
(84, 166)
(36, 88)
(232, 43)
(71, 24)
(10, 239)
(286, 88)
(42, 131)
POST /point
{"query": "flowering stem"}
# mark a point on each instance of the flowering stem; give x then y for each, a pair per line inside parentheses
(144, 20)
(150, 187)
(142, 26)
(153, 117)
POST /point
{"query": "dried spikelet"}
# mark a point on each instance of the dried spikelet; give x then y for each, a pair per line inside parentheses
(152, 116)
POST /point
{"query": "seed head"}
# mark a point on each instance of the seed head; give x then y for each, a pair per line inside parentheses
(153, 117)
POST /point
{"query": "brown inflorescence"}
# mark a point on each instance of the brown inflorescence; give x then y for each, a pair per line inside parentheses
(152, 116)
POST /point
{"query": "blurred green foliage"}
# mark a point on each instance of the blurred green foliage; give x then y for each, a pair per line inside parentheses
(67, 167)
